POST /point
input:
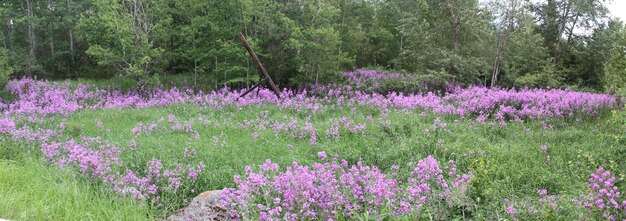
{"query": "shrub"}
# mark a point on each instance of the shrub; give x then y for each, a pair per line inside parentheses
(5, 68)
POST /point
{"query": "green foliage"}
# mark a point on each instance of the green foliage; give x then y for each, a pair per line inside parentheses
(591, 57)
(619, 120)
(614, 79)
(525, 54)
(550, 76)
(319, 53)
(308, 41)
(5, 69)
(242, 81)
(397, 85)
(459, 52)
(123, 35)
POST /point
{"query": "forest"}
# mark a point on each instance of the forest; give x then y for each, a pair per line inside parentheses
(513, 43)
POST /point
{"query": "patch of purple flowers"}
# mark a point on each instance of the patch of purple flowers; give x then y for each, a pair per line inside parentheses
(6, 125)
(604, 196)
(44, 98)
(101, 161)
(333, 189)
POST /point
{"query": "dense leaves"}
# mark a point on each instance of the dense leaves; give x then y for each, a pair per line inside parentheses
(556, 43)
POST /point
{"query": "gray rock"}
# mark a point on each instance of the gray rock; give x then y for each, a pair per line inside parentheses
(205, 206)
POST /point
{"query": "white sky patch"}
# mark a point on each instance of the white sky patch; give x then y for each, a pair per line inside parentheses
(618, 9)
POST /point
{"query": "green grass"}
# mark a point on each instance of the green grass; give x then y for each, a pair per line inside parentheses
(506, 161)
(32, 190)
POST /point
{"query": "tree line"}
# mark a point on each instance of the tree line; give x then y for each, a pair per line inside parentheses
(508, 43)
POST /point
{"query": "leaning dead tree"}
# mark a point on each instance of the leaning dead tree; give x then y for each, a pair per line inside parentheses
(264, 76)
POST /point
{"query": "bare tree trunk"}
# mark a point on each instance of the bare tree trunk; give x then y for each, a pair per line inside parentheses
(142, 24)
(195, 59)
(30, 61)
(457, 35)
(10, 35)
(456, 21)
(244, 20)
(496, 68)
(4, 43)
(562, 25)
(286, 12)
(51, 8)
(72, 59)
(70, 31)
(51, 45)
(510, 20)
(317, 75)
(343, 22)
(248, 73)
(502, 43)
(245, 31)
(571, 29)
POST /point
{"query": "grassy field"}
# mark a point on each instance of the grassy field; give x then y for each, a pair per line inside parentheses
(512, 160)
(507, 161)
(32, 190)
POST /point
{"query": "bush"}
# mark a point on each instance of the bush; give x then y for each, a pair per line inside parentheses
(5, 68)
(382, 82)
(619, 119)
(550, 76)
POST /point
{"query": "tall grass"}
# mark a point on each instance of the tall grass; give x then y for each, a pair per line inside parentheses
(32, 190)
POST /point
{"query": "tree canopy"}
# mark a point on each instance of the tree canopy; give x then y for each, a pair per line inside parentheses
(512, 43)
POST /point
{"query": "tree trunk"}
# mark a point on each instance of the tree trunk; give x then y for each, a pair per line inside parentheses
(10, 35)
(496, 68)
(571, 30)
(456, 22)
(51, 45)
(457, 35)
(30, 61)
(195, 58)
(502, 43)
(562, 25)
(342, 25)
(72, 59)
(5, 41)
(70, 33)
(504, 37)
(498, 60)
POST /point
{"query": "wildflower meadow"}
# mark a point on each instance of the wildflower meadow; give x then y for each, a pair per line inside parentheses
(342, 151)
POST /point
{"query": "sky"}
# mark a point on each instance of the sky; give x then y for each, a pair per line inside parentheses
(618, 9)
